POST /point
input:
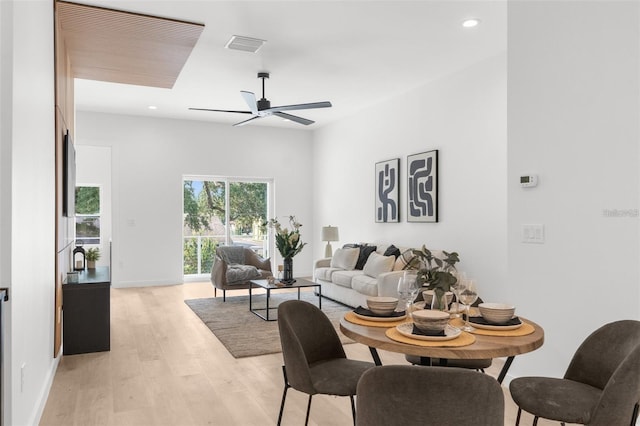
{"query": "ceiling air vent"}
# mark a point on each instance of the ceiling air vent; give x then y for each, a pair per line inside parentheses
(246, 44)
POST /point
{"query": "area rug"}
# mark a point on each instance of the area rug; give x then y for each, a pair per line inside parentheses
(243, 333)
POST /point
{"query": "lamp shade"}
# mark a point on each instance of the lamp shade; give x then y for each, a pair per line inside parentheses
(330, 233)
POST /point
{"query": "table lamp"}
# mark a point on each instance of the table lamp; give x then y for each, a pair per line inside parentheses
(329, 233)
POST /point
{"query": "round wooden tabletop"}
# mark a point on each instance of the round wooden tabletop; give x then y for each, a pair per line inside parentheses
(484, 347)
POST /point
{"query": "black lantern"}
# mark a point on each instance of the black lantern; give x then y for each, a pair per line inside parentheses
(79, 258)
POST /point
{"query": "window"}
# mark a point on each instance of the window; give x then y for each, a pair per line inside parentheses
(222, 211)
(88, 214)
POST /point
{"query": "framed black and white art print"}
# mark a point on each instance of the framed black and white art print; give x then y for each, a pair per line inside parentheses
(422, 187)
(387, 190)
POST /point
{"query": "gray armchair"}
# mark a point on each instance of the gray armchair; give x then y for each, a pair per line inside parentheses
(234, 266)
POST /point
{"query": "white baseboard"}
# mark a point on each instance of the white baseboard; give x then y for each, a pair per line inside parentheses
(44, 394)
(151, 283)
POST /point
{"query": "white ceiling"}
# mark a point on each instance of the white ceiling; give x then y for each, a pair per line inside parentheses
(354, 53)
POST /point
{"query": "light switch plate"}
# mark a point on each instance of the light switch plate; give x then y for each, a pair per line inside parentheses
(533, 233)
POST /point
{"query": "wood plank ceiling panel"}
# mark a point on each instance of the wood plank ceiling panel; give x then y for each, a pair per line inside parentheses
(124, 47)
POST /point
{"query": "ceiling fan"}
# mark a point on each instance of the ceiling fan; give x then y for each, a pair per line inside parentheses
(262, 108)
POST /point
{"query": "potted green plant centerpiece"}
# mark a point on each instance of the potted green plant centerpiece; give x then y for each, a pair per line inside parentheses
(436, 274)
(92, 255)
(288, 243)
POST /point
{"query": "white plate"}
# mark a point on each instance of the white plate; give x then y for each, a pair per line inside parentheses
(421, 305)
(496, 327)
(406, 329)
(380, 319)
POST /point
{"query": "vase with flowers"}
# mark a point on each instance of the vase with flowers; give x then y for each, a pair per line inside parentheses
(435, 274)
(288, 243)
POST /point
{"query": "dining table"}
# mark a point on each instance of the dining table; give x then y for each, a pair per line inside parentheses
(479, 344)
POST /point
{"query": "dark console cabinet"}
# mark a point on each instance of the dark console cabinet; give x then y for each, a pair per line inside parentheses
(86, 313)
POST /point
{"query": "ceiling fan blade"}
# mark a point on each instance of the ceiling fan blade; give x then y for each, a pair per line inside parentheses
(242, 123)
(293, 118)
(312, 105)
(250, 99)
(220, 110)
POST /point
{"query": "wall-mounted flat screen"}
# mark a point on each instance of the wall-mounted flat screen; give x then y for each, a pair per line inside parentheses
(69, 178)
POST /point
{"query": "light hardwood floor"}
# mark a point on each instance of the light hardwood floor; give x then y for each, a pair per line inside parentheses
(166, 368)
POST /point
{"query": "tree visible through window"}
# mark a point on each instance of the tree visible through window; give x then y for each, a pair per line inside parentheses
(88, 214)
(221, 212)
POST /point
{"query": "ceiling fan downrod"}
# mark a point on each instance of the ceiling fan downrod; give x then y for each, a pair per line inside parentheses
(263, 103)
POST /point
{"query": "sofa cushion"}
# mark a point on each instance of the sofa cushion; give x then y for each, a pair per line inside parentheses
(365, 252)
(403, 260)
(365, 284)
(343, 278)
(345, 258)
(325, 273)
(378, 264)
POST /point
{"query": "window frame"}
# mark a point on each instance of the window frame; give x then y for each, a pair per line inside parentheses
(90, 241)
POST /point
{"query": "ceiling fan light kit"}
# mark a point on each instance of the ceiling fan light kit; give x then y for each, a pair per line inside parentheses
(260, 108)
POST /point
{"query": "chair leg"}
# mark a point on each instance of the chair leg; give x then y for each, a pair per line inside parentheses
(284, 394)
(634, 416)
(215, 292)
(353, 409)
(224, 295)
(535, 420)
(306, 420)
(518, 416)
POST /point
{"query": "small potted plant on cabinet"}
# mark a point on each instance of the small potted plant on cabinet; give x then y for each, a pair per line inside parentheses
(92, 255)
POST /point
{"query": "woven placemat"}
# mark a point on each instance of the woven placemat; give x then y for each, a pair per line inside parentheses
(353, 318)
(465, 339)
(522, 331)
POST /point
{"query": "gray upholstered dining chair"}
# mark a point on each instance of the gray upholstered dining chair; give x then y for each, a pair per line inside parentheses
(314, 359)
(410, 395)
(601, 386)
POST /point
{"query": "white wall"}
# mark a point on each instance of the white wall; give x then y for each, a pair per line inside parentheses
(464, 117)
(574, 119)
(6, 106)
(28, 203)
(93, 167)
(149, 159)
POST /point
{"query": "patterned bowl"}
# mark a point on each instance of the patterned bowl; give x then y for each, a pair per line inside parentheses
(381, 305)
(496, 313)
(427, 295)
(430, 321)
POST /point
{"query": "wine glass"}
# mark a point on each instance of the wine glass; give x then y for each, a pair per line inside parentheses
(467, 294)
(408, 288)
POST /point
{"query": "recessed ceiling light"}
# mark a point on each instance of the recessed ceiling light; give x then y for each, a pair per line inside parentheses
(470, 23)
(152, 107)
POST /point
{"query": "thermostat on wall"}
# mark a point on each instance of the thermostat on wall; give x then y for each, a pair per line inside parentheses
(528, 181)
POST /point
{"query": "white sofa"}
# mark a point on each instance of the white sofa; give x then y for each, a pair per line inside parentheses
(342, 282)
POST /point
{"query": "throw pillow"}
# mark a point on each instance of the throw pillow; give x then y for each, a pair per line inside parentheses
(351, 245)
(345, 258)
(365, 252)
(378, 264)
(403, 260)
(392, 251)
